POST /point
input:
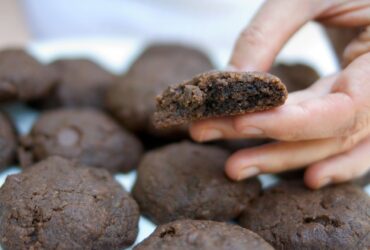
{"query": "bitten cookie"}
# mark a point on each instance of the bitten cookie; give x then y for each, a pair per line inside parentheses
(80, 83)
(132, 99)
(186, 180)
(22, 77)
(290, 216)
(8, 141)
(86, 135)
(202, 235)
(57, 204)
(218, 93)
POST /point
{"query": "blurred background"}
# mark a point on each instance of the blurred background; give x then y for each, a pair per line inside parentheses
(213, 25)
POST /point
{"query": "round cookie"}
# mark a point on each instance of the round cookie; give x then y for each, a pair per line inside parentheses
(86, 135)
(57, 204)
(290, 216)
(295, 76)
(202, 235)
(132, 99)
(8, 141)
(187, 181)
(81, 83)
(22, 77)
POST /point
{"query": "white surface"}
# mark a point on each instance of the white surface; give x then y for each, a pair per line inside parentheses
(116, 55)
(192, 21)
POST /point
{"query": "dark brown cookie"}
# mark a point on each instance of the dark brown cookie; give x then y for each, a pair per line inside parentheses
(132, 100)
(218, 93)
(86, 135)
(202, 235)
(22, 77)
(81, 83)
(186, 180)
(295, 76)
(290, 216)
(57, 204)
(8, 141)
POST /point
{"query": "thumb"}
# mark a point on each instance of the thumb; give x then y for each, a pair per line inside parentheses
(273, 25)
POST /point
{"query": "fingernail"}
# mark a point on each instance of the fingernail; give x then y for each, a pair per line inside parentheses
(248, 172)
(324, 182)
(252, 131)
(210, 134)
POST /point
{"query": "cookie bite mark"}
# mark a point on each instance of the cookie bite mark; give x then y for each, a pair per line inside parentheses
(218, 93)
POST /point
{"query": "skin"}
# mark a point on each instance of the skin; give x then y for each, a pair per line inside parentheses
(13, 27)
(325, 127)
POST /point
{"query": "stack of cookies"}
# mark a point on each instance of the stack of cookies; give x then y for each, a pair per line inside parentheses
(95, 124)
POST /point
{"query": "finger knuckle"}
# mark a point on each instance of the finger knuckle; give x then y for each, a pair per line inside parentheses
(347, 142)
(359, 123)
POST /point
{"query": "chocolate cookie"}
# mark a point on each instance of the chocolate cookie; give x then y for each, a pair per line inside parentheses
(8, 141)
(186, 180)
(295, 76)
(57, 204)
(81, 83)
(290, 216)
(202, 235)
(22, 77)
(86, 135)
(218, 93)
(132, 100)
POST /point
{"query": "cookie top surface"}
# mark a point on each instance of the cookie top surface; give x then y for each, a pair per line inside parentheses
(86, 135)
(202, 235)
(8, 141)
(81, 83)
(132, 100)
(185, 180)
(290, 216)
(57, 204)
(218, 93)
(22, 77)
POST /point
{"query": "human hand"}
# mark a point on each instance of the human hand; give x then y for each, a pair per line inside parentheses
(325, 127)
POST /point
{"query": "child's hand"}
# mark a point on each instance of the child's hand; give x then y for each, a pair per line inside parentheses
(326, 126)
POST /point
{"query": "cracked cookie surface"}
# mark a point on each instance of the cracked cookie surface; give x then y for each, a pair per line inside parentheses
(186, 180)
(202, 235)
(57, 204)
(290, 216)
